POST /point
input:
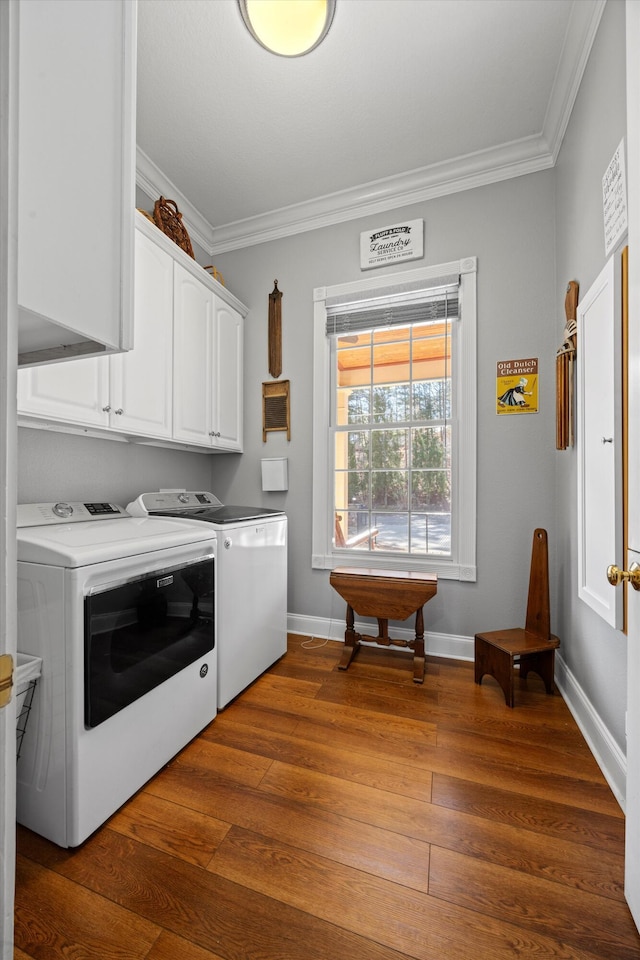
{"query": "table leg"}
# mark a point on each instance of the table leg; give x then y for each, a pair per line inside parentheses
(418, 648)
(351, 641)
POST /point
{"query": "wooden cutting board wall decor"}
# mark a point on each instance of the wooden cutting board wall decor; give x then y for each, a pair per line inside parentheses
(275, 331)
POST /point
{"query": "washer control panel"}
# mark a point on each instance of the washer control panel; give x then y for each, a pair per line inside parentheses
(41, 514)
(166, 500)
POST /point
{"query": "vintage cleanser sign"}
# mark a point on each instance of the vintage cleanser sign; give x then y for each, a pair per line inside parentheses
(517, 386)
(402, 241)
(614, 200)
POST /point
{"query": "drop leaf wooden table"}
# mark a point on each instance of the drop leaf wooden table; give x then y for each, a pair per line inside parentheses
(385, 595)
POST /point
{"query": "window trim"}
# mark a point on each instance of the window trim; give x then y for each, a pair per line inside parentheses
(324, 556)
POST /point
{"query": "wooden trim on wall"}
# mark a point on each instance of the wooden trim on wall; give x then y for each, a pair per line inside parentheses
(624, 266)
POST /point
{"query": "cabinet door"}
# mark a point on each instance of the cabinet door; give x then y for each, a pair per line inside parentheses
(76, 192)
(227, 385)
(74, 392)
(192, 358)
(141, 380)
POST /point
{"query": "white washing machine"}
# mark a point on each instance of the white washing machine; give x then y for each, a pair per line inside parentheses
(122, 612)
(252, 580)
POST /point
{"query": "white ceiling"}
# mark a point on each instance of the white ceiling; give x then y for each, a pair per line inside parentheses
(403, 101)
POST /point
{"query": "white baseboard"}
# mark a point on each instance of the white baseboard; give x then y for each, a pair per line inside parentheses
(608, 756)
(607, 753)
(435, 644)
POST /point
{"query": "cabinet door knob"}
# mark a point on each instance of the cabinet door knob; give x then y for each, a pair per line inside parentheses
(107, 408)
(119, 411)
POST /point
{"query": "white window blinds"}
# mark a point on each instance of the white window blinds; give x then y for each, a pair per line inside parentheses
(436, 302)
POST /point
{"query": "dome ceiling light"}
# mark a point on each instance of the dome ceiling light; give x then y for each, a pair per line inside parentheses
(289, 28)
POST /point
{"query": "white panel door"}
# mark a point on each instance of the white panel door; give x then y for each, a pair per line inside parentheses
(632, 802)
(192, 358)
(227, 387)
(599, 442)
(140, 394)
(75, 391)
(8, 457)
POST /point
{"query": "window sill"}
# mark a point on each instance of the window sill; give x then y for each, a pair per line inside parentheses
(346, 558)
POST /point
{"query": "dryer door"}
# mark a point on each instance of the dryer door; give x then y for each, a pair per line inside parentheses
(140, 632)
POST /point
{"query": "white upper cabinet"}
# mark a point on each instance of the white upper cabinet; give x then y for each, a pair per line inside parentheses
(227, 383)
(76, 177)
(71, 393)
(180, 385)
(129, 392)
(140, 381)
(207, 367)
(192, 358)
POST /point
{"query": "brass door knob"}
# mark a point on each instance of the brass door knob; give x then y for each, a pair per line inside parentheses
(616, 576)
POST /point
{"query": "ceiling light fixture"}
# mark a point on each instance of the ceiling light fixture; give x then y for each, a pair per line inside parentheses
(289, 28)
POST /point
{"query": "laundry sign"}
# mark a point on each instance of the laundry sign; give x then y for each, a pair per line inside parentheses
(517, 386)
(400, 241)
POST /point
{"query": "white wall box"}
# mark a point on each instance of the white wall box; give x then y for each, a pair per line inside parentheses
(182, 382)
(76, 141)
(275, 473)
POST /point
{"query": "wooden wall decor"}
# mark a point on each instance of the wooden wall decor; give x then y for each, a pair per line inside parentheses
(624, 302)
(168, 218)
(565, 364)
(275, 331)
(275, 408)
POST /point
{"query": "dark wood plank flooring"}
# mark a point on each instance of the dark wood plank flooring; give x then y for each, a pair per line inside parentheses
(330, 815)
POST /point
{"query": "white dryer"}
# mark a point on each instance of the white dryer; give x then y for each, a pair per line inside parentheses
(122, 612)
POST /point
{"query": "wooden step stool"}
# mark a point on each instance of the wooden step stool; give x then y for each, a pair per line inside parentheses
(532, 646)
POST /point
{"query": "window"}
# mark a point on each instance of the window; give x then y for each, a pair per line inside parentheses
(394, 422)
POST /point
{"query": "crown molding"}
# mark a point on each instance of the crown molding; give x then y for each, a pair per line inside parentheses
(584, 21)
(427, 183)
(505, 162)
(375, 197)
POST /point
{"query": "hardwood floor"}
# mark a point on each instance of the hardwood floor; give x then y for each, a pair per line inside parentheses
(354, 815)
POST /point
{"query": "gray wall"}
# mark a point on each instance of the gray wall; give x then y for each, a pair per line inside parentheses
(57, 466)
(594, 653)
(510, 228)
